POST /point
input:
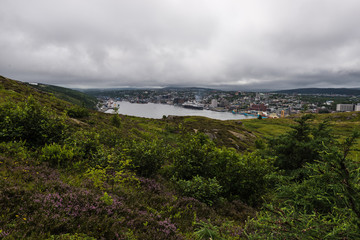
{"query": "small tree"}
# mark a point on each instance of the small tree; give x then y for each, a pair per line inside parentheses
(323, 206)
(115, 120)
(301, 145)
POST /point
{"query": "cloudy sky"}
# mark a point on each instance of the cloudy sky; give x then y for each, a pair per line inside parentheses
(234, 44)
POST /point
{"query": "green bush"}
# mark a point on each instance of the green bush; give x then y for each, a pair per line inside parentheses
(193, 157)
(244, 177)
(301, 145)
(205, 190)
(78, 112)
(107, 199)
(207, 231)
(30, 122)
(115, 120)
(57, 155)
(325, 205)
(87, 144)
(14, 149)
(147, 156)
(248, 178)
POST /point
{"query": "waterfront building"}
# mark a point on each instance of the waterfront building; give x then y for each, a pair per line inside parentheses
(357, 107)
(344, 107)
(258, 107)
(214, 103)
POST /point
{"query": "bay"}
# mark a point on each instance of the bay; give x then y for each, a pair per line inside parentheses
(154, 110)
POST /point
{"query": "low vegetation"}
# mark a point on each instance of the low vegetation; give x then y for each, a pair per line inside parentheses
(71, 173)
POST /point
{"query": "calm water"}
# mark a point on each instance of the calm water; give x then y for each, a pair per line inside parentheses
(152, 110)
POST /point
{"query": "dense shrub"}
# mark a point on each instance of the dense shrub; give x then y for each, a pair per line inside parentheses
(57, 155)
(323, 205)
(15, 149)
(30, 122)
(193, 157)
(205, 190)
(87, 143)
(111, 137)
(78, 112)
(207, 231)
(301, 145)
(115, 120)
(147, 156)
(246, 177)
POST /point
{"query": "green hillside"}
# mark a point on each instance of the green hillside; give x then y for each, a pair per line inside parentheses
(68, 172)
(73, 96)
(66, 94)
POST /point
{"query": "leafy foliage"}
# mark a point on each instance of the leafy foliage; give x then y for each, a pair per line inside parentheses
(245, 177)
(57, 155)
(324, 205)
(205, 190)
(207, 231)
(147, 156)
(115, 120)
(301, 145)
(30, 122)
(78, 112)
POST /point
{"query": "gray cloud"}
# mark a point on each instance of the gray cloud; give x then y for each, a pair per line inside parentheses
(230, 44)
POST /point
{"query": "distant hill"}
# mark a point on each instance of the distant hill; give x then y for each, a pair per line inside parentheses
(190, 89)
(70, 95)
(325, 91)
(114, 92)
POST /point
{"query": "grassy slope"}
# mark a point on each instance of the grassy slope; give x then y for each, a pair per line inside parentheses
(19, 91)
(69, 95)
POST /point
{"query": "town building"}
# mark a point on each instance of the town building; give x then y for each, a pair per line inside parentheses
(258, 107)
(357, 107)
(344, 107)
(214, 103)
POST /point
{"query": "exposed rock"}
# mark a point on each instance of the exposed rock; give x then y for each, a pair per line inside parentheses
(79, 122)
(242, 137)
(210, 135)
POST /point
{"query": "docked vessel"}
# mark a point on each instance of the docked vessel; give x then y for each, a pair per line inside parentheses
(193, 105)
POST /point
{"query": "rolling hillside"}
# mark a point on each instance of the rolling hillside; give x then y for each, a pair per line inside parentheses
(66, 94)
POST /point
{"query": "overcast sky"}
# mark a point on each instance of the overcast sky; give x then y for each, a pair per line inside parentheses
(236, 44)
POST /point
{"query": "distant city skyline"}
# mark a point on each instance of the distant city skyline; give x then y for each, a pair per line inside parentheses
(229, 45)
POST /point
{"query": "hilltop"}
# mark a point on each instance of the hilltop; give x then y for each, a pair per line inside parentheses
(69, 172)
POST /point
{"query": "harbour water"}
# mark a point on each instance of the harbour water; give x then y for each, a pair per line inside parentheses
(153, 110)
